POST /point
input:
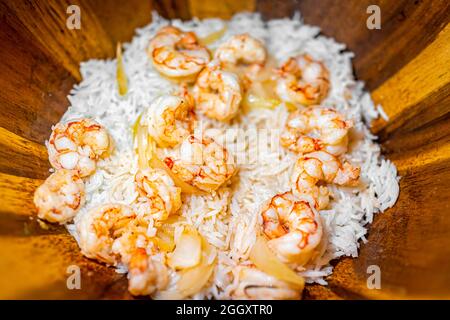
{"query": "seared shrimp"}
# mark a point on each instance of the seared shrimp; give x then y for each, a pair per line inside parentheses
(203, 163)
(101, 230)
(321, 166)
(257, 285)
(302, 80)
(177, 54)
(164, 198)
(316, 129)
(146, 275)
(60, 197)
(217, 93)
(77, 145)
(170, 118)
(294, 229)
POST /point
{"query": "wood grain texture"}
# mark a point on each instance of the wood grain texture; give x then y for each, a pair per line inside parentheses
(17, 194)
(30, 158)
(173, 9)
(119, 19)
(405, 64)
(51, 255)
(33, 85)
(46, 22)
(420, 89)
(220, 9)
(432, 138)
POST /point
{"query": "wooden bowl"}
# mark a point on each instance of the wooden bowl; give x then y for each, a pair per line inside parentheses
(405, 65)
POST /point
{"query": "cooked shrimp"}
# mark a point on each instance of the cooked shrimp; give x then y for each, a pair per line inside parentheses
(113, 234)
(293, 228)
(321, 166)
(241, 48)
(217, 93)
(146, 274)
(101, 230)
(170, 118)
(164, 198)
(302, 80)
(203, 163)
(243, 55)
(316, 129)
(177, 54)
(254, 284)
(77, 145)
(60, 197)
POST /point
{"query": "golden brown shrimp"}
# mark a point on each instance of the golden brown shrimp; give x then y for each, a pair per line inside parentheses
(164, 198)
(60, 197)
(177, 54)
(101, 232)
(254, 284)
(170, 118)
(217, 93)
(303, 80)
(321, 166)
(315, 129)
(77, 145)
(294, 229)
(203, 163)
(146, 274)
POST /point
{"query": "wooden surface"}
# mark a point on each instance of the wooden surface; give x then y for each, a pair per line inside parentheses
(405, 65)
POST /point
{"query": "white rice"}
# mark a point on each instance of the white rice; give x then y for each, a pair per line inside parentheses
(229, 219)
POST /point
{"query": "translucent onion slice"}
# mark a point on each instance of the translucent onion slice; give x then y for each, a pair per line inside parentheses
(252, 102)
(165, 241)
(122, 82)
(261, 95)
(141, 137)
(135, 126)
(212, 37)
(290, 106)
(191, 280)
(194, 279)
(265, 260)
(188, 251)
(166, 233)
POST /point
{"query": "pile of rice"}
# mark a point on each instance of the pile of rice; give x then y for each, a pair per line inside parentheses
(229, 219)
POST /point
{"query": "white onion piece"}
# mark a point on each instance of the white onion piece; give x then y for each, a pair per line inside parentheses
(188, 251)
(191, 280)
(265, 260)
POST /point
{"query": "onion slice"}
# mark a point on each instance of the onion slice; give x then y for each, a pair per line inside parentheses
(191, 280)
(188, 251)
(265, 260)
(122, 82)
(194, 279)
(261, 94)
(141, 136)
(164, 241)
(252, 102)
(213, 36)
